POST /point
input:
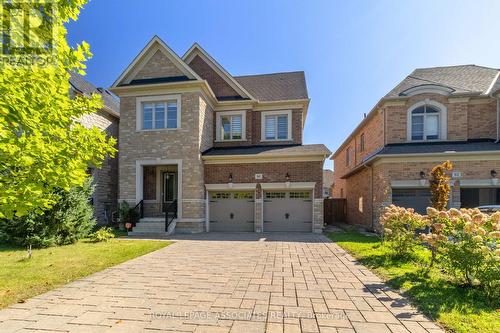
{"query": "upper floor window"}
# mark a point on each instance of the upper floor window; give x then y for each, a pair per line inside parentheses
(427, 121)
(276, 125)
(362, 142)
(231, 126)
(348, 156)
(158, 112)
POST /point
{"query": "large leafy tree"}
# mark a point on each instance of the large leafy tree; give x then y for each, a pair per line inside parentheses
(42, 146)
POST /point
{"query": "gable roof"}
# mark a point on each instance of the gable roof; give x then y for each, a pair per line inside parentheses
(142, 58)
(461, 79)
(275, 86)
(111, 102)
(197, 50)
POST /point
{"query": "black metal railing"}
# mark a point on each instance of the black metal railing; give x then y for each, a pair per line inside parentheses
(170, 214)
(139, 212)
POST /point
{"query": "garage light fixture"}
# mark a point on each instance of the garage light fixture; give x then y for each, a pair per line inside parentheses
(287, 177)
(494, 179)
(493, 174)
(423, 179)
(230, 179)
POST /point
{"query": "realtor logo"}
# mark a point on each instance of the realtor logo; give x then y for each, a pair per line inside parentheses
(28, 32)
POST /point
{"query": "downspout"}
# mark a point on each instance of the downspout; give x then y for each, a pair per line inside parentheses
(498, 119)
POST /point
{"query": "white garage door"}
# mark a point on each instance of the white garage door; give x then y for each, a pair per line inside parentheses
(232, 211)
(288, 211)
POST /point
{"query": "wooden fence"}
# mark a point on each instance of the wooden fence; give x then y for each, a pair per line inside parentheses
(335, 211)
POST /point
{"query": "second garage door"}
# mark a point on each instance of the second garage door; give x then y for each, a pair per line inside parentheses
(232, 211)
(418, 199)
(288, 211)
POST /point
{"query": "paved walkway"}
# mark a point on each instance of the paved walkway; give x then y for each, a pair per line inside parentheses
(225, 283)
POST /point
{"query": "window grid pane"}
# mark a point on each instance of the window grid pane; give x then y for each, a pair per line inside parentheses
(147, 116)
(172, 114)
(417, 127)
(159, 115)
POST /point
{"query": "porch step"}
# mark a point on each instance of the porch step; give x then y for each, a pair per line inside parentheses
(152, 227)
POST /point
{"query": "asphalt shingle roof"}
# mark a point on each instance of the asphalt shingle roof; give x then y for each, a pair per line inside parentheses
(439, 147)
(87, 88)
(316, 149)
(275, 86)
(463, 79)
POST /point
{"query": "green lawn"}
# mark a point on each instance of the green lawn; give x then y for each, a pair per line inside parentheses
(459, 309)
(22, 278)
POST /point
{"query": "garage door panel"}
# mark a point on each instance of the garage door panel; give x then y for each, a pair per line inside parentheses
(418, 199)
(232, 212)
(288, 211)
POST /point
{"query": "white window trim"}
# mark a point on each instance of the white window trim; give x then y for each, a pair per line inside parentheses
(157, 98)
(275, 113)
(218, 125)
(443, 120)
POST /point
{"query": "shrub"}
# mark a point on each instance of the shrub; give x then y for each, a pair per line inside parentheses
(102, 235)
(70, 219)
(127, 214)
(400, 227)
(468, 243)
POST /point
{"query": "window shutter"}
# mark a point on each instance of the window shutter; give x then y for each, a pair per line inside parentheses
(270, 127)
(236, 127)
(283, 127)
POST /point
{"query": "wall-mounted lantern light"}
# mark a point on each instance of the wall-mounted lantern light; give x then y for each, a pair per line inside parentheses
(494, 179)
(423, 179)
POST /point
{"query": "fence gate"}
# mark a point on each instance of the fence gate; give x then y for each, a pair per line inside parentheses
(335, 211)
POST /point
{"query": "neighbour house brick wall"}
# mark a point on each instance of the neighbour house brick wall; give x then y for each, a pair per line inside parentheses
(158, 66)
(271, 173)
(219, 85)
(474, 119)
(481, 119)
(359, 185)
(373, 132)
(106, 177)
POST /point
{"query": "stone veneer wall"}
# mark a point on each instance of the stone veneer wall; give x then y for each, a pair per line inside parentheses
(106, 177)
(179, 144)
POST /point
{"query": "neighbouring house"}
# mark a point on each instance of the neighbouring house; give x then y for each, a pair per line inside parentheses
(433, 115)
(105, 178)
(327, 183)
(225, 150)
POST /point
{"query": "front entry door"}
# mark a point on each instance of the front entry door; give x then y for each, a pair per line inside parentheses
(169, 188)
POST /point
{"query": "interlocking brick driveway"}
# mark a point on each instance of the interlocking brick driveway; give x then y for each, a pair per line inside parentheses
(225, 283)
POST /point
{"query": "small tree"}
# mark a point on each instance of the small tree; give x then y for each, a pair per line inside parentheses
(440, 185)
(43, 148)
(440, 194)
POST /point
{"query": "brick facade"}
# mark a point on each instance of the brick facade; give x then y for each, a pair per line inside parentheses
(369, 189)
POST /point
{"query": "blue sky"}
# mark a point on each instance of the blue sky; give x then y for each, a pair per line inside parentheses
(353, 52)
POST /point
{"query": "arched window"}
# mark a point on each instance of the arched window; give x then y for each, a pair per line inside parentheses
(427, 121)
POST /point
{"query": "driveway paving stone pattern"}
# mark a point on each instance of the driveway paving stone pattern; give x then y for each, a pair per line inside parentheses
(225, 283)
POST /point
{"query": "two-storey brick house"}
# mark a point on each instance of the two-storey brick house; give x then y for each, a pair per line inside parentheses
(433, 115)
(226, 150)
